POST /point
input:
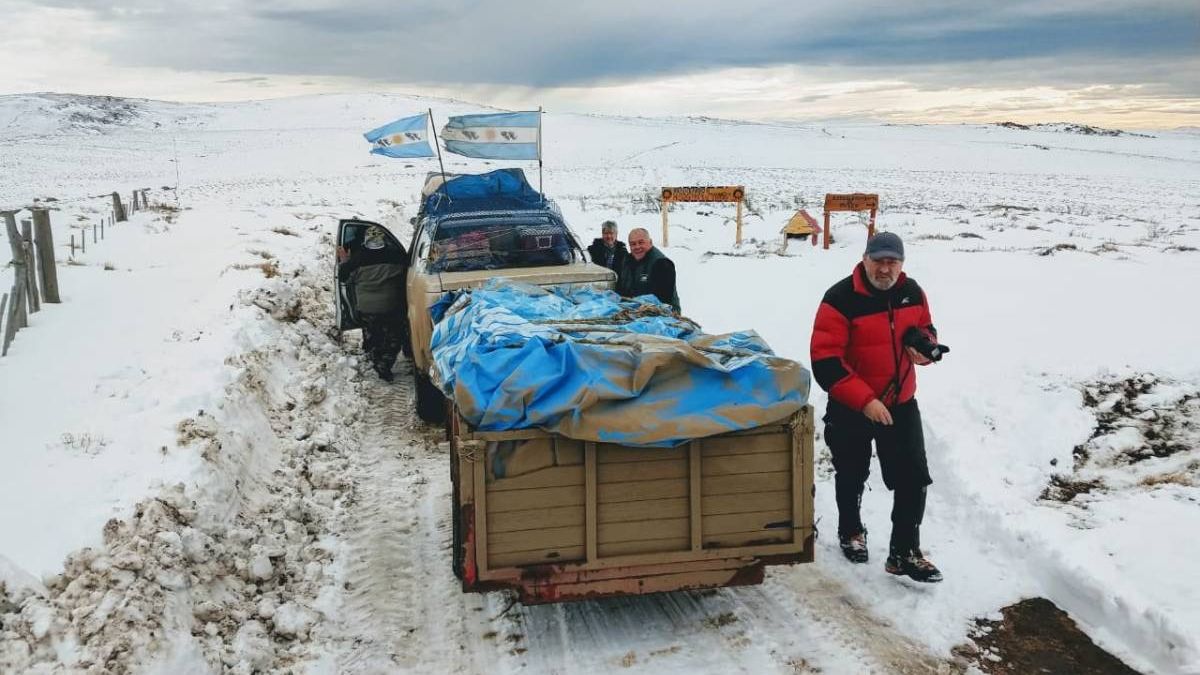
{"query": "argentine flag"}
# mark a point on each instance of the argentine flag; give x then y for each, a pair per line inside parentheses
(406, 137)
(515, 135)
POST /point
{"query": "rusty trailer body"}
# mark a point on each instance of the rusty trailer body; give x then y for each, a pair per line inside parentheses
(574, 519)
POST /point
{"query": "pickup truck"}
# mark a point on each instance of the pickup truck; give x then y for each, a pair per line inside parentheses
(470, 229)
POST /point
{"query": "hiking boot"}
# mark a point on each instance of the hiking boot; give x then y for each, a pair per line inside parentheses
(385, 374)
(914, 565)
(854, 547)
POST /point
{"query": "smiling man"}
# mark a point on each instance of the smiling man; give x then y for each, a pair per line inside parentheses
(859, 356)
(608, 250)
(647, 271)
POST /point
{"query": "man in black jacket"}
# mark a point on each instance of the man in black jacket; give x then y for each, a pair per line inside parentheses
(647, 271)
(377, 272)
(608, 250)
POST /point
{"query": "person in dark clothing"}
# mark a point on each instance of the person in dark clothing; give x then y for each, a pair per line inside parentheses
(647, 271)
(377, 272)
(859, 357)
(608, 250)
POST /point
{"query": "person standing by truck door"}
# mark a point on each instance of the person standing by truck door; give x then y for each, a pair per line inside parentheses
(608, 251)
(377, 273)
(647, 271)
(860, 355)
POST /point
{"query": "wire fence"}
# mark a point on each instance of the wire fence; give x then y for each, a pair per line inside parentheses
(35, 267)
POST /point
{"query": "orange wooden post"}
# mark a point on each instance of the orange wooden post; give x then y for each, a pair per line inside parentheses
(826, 233)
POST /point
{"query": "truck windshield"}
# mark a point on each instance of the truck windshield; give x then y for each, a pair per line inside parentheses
(463, 245)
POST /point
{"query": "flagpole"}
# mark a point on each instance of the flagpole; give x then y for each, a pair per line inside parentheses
(539, 150)
(437, 145)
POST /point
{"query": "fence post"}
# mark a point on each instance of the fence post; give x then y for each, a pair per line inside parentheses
(3, 305)
(83, 239)
(118, 208)
(31, 281)
(45, 252)
(72, 246)
(101, 228)
(17, 317)
(93, 234)
(9, 324)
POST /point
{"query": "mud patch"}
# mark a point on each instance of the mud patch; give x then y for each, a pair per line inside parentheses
(1147, 434)
(1035, 636)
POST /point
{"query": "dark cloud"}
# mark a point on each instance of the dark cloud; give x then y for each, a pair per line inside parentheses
(539, 43)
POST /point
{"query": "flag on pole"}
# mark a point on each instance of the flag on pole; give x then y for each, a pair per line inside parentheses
(406, 137)
(515, 135)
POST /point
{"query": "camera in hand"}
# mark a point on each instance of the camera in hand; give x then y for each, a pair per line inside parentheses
(924, 343)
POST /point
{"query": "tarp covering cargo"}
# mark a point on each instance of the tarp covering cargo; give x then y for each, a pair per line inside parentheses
(589, 365)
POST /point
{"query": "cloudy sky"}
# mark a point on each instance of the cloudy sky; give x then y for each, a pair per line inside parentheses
(1123, 63)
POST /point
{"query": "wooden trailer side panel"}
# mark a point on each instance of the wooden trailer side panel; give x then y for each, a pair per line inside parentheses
(538, 517)
(631, 517)
(748, 498)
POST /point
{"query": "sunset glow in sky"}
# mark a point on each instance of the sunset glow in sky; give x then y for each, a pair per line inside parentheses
(1120, 63)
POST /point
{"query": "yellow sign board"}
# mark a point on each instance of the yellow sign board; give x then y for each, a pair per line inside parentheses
(725, 193)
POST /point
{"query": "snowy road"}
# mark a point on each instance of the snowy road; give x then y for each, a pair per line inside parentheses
(405, 610)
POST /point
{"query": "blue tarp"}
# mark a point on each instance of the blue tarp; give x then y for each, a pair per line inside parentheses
(499, 190)
(590, 365)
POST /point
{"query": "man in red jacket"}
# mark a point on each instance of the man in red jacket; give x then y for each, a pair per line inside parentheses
(859, 356)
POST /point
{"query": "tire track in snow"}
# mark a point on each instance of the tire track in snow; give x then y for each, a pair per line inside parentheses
(826, 604)
(406, 611)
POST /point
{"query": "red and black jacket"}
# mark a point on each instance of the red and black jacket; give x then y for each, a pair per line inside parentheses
(857, 353)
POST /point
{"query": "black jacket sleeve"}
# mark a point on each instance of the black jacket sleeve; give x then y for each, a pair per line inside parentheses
(346, 268)
(662, 280)
(594, 252)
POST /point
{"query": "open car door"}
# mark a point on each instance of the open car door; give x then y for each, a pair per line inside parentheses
(349, 236)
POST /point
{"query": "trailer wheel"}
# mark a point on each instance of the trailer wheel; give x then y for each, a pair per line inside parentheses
(431, 405)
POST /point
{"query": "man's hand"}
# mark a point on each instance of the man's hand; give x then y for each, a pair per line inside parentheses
(917, 357)
(877, 412)
(343, 254)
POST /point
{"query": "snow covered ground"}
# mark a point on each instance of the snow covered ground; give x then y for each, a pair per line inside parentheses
(197, 476)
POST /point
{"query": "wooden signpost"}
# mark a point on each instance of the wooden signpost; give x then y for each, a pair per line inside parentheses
(856, 201)
(724, 193)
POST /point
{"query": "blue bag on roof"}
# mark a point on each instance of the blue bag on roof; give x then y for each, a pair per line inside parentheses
(502, 189)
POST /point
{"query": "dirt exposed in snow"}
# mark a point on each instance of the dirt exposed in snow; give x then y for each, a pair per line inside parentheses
(1146, 436)
(1035, 636)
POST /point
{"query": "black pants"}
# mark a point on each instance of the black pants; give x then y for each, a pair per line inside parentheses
(383, 335)
(901, 451)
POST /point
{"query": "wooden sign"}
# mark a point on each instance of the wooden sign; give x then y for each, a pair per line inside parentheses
(857, 201)
(719, 193)
(725, 193)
